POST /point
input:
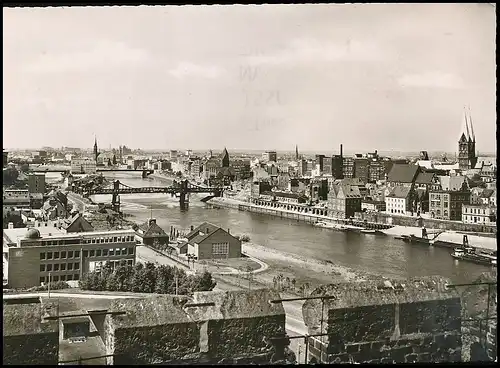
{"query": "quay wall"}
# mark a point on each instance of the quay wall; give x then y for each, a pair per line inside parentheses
(370, 220)
(391, 219)
(303, 214)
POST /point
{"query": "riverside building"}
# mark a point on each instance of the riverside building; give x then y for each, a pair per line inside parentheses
(66, 257)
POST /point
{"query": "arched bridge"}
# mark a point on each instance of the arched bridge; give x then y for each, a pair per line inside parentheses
(179, 189)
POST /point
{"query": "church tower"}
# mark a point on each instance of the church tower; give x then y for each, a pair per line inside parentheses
(225, 158)
(472, 145)
(96, 152)
(467, 158)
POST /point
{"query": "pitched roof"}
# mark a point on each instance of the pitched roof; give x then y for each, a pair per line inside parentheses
(403, 173)
(151, 228)
(399, 191)
(487, 193)
(350, 191)
(83, 224)
(424, 178)
(202, 232)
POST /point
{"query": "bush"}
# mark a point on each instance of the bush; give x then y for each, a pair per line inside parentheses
(59, 285)
(147, 278)
(243, 238)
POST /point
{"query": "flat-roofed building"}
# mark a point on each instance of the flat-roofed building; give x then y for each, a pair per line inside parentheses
(83, 166)
(66, 257)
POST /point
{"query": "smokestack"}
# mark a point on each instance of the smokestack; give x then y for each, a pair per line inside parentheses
(341, 150)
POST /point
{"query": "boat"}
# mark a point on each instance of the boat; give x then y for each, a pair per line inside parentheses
(469, 254)
(414, 239)
(368, 231)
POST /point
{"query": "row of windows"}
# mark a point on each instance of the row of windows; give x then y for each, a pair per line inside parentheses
(87, 253)
(476, 211)
(398, 211)
(56, 267)
(220, 248)
(477, 219)
(56, 278)
(98, 240)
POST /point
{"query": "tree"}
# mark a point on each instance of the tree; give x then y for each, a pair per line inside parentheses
(109, 162)
(137, 278)
(293, 283)
(15, 218)
(205, 282)
(114, 159)
(10, 176)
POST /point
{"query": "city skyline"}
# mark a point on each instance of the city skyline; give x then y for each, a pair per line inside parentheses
(200, 76)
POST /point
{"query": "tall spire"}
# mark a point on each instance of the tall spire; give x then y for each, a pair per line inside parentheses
(471, 127)
(466, 125)
(96, 152)
(296, 152)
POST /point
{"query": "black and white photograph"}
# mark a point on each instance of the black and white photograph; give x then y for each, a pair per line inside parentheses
(266, 184)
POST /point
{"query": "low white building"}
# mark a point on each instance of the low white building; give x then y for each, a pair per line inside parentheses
(397, 201)
(83, 166)
(479, 214)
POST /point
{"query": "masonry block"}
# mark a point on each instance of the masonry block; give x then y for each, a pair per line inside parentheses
(371, 323)
(28, 339)
(430, 316)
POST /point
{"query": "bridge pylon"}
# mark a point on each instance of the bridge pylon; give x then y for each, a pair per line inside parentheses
(115, 201)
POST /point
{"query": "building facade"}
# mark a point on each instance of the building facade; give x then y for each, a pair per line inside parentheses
(344, 201)
(447, 204)
(209, 241)
(36, 183)
(83, 166)
(270, 156)
(348, 167)
(66, 257)
(479, 214)
(398, 200)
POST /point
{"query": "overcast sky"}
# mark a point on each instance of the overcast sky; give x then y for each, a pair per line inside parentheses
(259, 77)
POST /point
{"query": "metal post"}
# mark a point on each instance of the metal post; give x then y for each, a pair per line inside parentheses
(48, 286)
(487, 315)
(176, 283)
(306, 339)
(321, 330)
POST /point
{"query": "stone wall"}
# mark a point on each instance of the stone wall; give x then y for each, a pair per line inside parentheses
(27, 338)
(418, 320)
(210, 328)
(479, 337)
(392, 219)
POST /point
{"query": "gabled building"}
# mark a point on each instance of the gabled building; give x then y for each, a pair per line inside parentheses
(76, 224)
(398, 201)
(149, 232)
(344, 201)
(209, 241)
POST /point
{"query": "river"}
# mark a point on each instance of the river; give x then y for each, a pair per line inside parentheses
(378, 254)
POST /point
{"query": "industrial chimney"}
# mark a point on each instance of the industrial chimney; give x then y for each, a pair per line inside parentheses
(341, 151)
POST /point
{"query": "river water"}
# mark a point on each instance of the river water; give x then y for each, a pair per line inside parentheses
(377, 254)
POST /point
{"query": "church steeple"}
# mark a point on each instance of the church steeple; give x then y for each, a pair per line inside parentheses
(96, 152)
(225, 158)
(296, 152)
